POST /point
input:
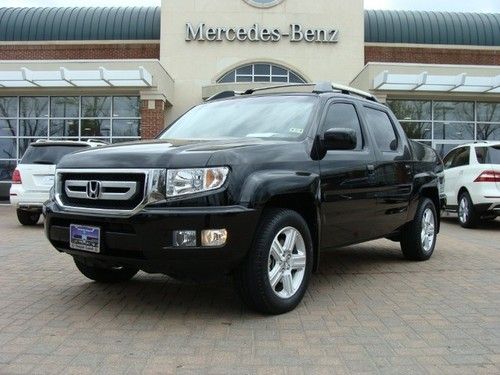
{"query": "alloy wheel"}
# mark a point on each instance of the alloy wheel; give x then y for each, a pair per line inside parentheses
(463, 210)
(287, 262)
(428, 229)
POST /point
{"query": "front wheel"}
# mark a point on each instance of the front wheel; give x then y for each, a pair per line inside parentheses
(28, 217)
(274, 277)
(418, 237)
(105, 275)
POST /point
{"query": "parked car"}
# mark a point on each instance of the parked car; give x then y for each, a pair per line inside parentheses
(472, 182)
(254, 185)
(34, 175)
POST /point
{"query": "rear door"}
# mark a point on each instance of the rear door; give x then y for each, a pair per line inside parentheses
(394, 170)
(348, 199)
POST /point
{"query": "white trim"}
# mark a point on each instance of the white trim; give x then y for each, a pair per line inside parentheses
(76, 42)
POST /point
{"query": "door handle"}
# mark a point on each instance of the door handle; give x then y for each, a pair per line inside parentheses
(370, 168)
(409, 169)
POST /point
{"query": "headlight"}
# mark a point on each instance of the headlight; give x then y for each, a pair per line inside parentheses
(194, 180)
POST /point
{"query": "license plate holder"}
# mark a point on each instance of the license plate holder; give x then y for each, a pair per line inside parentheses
(85, 238)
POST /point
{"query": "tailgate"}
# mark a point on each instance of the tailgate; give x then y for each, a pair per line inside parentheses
(37, 177)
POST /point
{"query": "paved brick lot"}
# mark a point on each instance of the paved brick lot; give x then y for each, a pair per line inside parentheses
(367, 311)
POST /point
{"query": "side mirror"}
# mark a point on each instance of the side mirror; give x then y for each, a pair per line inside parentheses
(339, 139)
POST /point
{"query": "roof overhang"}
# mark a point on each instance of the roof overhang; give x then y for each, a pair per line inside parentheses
(146, 76)
(471, 80)
(64, 77)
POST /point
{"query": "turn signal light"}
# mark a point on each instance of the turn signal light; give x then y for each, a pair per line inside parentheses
(16, 177)
(488, 176)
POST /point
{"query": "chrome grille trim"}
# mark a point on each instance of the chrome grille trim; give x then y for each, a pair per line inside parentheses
(154, 190)
(130, 186)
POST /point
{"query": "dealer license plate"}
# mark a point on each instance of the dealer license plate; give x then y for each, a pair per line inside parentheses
(82, 237)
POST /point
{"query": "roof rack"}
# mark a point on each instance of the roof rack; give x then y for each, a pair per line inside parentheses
(318, 88)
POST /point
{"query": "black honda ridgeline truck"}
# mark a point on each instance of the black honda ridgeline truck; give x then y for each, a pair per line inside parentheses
(252, 185)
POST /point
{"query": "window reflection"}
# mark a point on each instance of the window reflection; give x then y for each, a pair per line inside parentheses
(95, 128)
(34, 106)
(33, 127)
(64, 128)
(454, 111)
(64, 106)
(96, 106)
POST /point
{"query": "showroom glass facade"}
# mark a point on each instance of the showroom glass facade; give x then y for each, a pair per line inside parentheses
(446, 124)
(24, 119)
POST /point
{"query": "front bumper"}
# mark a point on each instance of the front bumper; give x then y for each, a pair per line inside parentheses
(145, 239)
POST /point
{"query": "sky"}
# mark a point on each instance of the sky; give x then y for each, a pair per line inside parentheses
(486, 6)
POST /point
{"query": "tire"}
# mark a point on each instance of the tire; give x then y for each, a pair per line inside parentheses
(28, 217)
(105, 275)
(416, 241)
(467, 215)
(290, 267)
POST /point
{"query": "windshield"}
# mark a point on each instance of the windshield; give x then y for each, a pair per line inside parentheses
(48, 154)
(262, 117)
(488, 155)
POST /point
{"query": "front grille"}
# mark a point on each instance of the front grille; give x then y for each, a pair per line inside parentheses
(72, 188)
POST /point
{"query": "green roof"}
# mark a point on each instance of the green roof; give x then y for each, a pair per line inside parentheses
(143, 23)
(477, 29)
(116, 23)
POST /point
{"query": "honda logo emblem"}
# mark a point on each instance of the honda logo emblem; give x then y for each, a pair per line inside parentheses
(94, 189)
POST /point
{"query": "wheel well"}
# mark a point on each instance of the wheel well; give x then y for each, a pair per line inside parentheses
(462, 190)
(433, 194)
(305, 205)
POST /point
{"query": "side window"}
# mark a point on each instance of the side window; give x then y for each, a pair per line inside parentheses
(462, 157)
(481, 153)
(448, 159)
(382, 128)
(344, 115)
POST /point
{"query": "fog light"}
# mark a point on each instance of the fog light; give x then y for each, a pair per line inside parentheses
(184, 238)
(213, 237)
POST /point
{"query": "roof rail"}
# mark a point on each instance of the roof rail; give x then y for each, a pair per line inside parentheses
(318, 88)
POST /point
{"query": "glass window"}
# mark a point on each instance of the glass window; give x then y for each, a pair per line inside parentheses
(343, 115)
(261, 72)
(382, 128)
(122, 140)
(65, 106)
(454, 111)
(443, 130)
(279, 116)
(23, 144)
(488, 132)
(48, 154)
(406, 110)
(8, 148)
(34, 106)
(126, 106)
(33, 128)
(488, 112)
(461, 157)
(6, 169)
(96, 106)
(418, 130)
(448, 159)
(95, 128)
(126, 128)
(8, 106)
(8, 128)
(488, 155)
(64, 128)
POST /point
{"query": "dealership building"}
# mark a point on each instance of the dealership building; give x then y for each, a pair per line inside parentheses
(121, 74)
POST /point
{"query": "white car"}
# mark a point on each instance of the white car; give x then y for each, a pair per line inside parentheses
(34, 176)
(472, 182)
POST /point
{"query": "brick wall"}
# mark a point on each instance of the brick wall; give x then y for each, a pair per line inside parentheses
(431, 55)
(80, 51)
(152, 120)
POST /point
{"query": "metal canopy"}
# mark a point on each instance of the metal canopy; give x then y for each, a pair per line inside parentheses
(386, 81)
(63, 77)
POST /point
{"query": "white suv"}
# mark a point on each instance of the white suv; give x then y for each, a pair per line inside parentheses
(34, 176)
(472, 182)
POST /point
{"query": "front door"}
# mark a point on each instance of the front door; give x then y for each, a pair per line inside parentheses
(347, 182)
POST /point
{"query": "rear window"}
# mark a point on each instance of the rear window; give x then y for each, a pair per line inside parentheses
(48, 154)
(488, 155)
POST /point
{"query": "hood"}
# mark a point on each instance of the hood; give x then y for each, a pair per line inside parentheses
(159, 153)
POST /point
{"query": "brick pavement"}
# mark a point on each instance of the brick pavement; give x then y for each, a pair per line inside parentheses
(367, 311)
